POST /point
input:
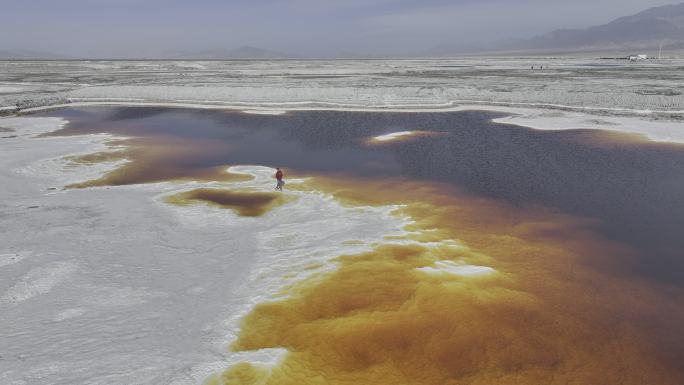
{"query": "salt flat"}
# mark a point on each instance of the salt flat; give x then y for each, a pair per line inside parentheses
(571, 83)
(576, 90)
(112, 286)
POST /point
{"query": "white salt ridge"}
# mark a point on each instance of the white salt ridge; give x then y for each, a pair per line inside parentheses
(456, 268)
(393, 136)
(654, 130)
(264, 112)
(64, 171)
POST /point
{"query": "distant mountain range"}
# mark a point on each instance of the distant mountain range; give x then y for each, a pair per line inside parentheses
(645, 30)
(28, 54)
(244, 52)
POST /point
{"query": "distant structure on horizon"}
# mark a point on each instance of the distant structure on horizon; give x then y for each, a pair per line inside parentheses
(638, 57)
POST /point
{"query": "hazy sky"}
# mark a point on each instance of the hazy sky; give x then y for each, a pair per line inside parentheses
(309, 27)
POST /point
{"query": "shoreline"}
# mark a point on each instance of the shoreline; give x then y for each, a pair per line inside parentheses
(484, 256)
(452, 106)
(225, 263)
(667, 131)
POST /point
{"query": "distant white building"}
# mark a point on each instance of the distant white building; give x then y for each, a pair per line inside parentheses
(637, 57)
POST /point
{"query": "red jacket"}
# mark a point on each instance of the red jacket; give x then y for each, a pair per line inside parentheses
(279, 175)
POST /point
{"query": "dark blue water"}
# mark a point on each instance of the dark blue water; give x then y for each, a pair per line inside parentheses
(633, 188)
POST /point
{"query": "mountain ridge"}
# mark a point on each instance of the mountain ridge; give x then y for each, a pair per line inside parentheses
(648, 29)
(242, 52)
(25, 54)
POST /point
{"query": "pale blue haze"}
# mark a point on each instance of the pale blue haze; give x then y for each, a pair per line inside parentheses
(130, 28)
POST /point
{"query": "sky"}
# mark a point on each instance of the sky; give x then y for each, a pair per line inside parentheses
(144, 28)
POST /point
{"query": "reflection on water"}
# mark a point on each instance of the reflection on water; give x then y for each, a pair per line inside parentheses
(631, 187)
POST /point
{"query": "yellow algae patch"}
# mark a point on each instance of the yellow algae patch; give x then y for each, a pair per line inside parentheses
(245, 203)
(547, 313)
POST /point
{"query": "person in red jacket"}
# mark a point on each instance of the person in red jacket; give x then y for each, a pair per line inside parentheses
(279, 178)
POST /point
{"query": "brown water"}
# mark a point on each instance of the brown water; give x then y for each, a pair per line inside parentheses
(245, 203)
(582, 228)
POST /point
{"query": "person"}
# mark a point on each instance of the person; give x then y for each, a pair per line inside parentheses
(279, 178)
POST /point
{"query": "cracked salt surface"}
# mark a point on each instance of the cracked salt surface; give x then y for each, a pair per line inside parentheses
(112, 286)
